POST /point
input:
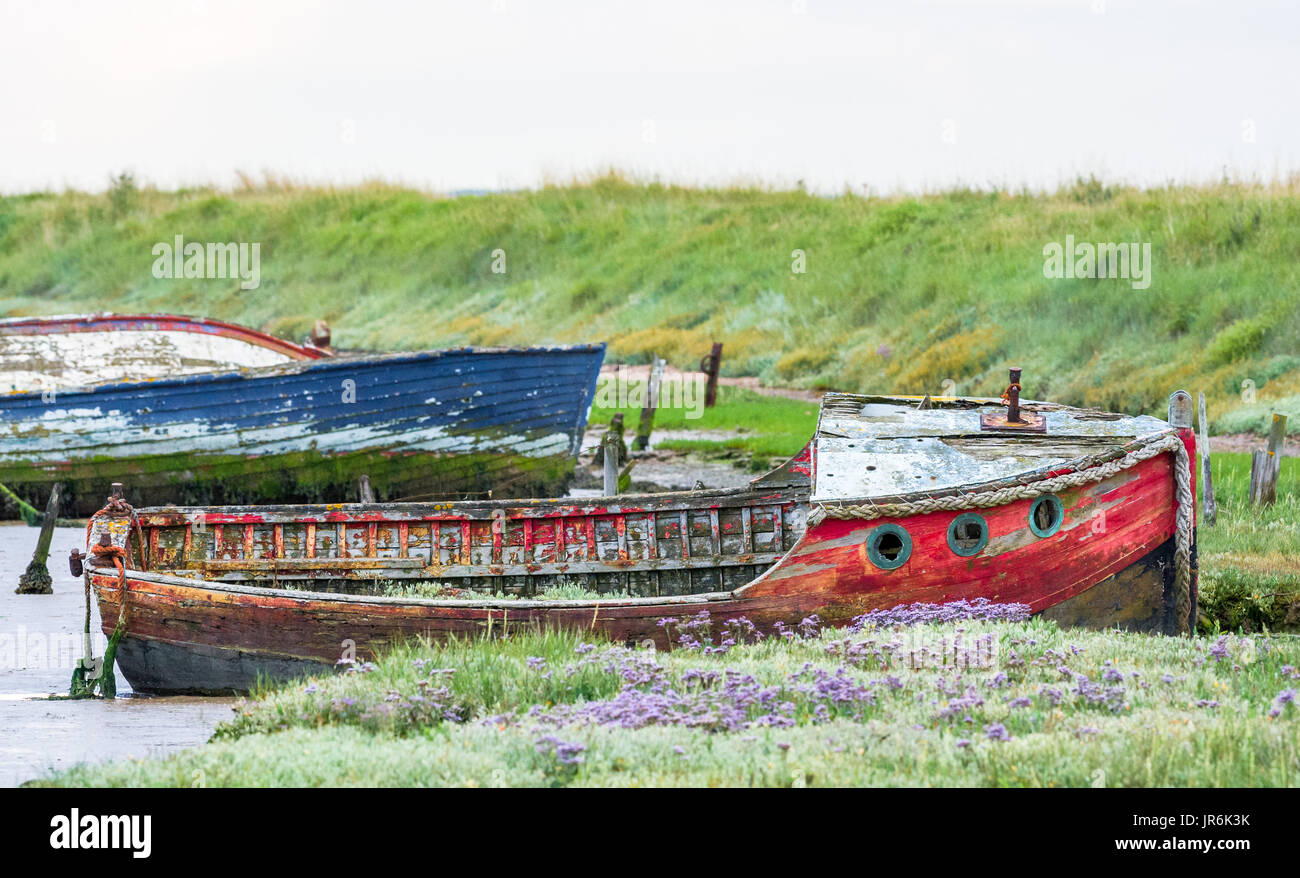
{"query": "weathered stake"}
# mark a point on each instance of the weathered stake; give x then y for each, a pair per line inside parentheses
(1209, 509)
(646, 424)
(1265, 465)
(709, 366)
(615, 427)
(609, 445)
(36, 579)
(364, 490)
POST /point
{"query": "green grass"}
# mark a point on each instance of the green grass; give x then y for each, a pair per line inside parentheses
(770, 426)
(1250, 560)
(1161, 730)
(899, 295)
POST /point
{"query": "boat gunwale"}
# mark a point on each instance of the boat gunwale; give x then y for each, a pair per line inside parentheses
(303, 596)
(474, 510)
(348, 361)
(69, 324)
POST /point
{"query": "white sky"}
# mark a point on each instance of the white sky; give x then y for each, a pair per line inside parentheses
(509, 93)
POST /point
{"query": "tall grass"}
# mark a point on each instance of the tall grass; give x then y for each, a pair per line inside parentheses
(899, 294)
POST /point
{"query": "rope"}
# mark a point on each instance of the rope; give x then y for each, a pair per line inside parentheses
(105, 682)
(120, 507)
(1164, 443)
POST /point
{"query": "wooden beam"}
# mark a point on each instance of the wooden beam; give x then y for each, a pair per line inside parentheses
(1209, 510)
(710, 366)
(646, 423)
(609, 448)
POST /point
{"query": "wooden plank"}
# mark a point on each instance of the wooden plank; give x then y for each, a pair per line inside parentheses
(1272, 460)
(646, 424)
(1209, 509)
(710, 366)
(609, 450)
(312, 564)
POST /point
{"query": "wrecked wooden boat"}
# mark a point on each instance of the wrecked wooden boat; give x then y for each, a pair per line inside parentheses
(278, 422)
(1085, 516)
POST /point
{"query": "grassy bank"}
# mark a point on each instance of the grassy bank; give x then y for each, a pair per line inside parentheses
(766, 427)
(1034, 705)
(897, 295)
(1250, 560)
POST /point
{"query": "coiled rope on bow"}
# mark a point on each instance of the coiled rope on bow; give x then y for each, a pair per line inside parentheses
(1087, 473)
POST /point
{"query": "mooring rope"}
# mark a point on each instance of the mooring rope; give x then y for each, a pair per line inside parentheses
(104, 681)
(1087, 472)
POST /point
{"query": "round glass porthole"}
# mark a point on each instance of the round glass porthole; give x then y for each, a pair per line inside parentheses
(1046, 515)
(889, 547)
(968, 534)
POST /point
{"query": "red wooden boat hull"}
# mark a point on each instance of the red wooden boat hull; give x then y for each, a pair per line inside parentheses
(1110, 563)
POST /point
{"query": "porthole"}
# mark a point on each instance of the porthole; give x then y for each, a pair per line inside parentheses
(889, 547)
(968, 534)
(1046, 515)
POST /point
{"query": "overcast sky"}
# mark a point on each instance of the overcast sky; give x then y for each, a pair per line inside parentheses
(508, 93)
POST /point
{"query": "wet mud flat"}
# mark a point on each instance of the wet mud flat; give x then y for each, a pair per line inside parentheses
(40, 643)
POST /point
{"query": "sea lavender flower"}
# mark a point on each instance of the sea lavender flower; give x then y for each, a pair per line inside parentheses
(1219, 652)
(954, 611)
(997, 732)
(565, 752)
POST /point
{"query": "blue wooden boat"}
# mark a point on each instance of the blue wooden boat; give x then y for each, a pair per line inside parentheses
(431, 425)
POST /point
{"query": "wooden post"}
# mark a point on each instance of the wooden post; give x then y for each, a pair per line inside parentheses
(646, 424)
(363, 488)
(615, 427)
(36, 579)
(609, 445)
(1209, 510)
(709, 366)
(1266, 464)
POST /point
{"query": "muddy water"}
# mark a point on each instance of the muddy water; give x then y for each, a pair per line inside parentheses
(40, 642)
